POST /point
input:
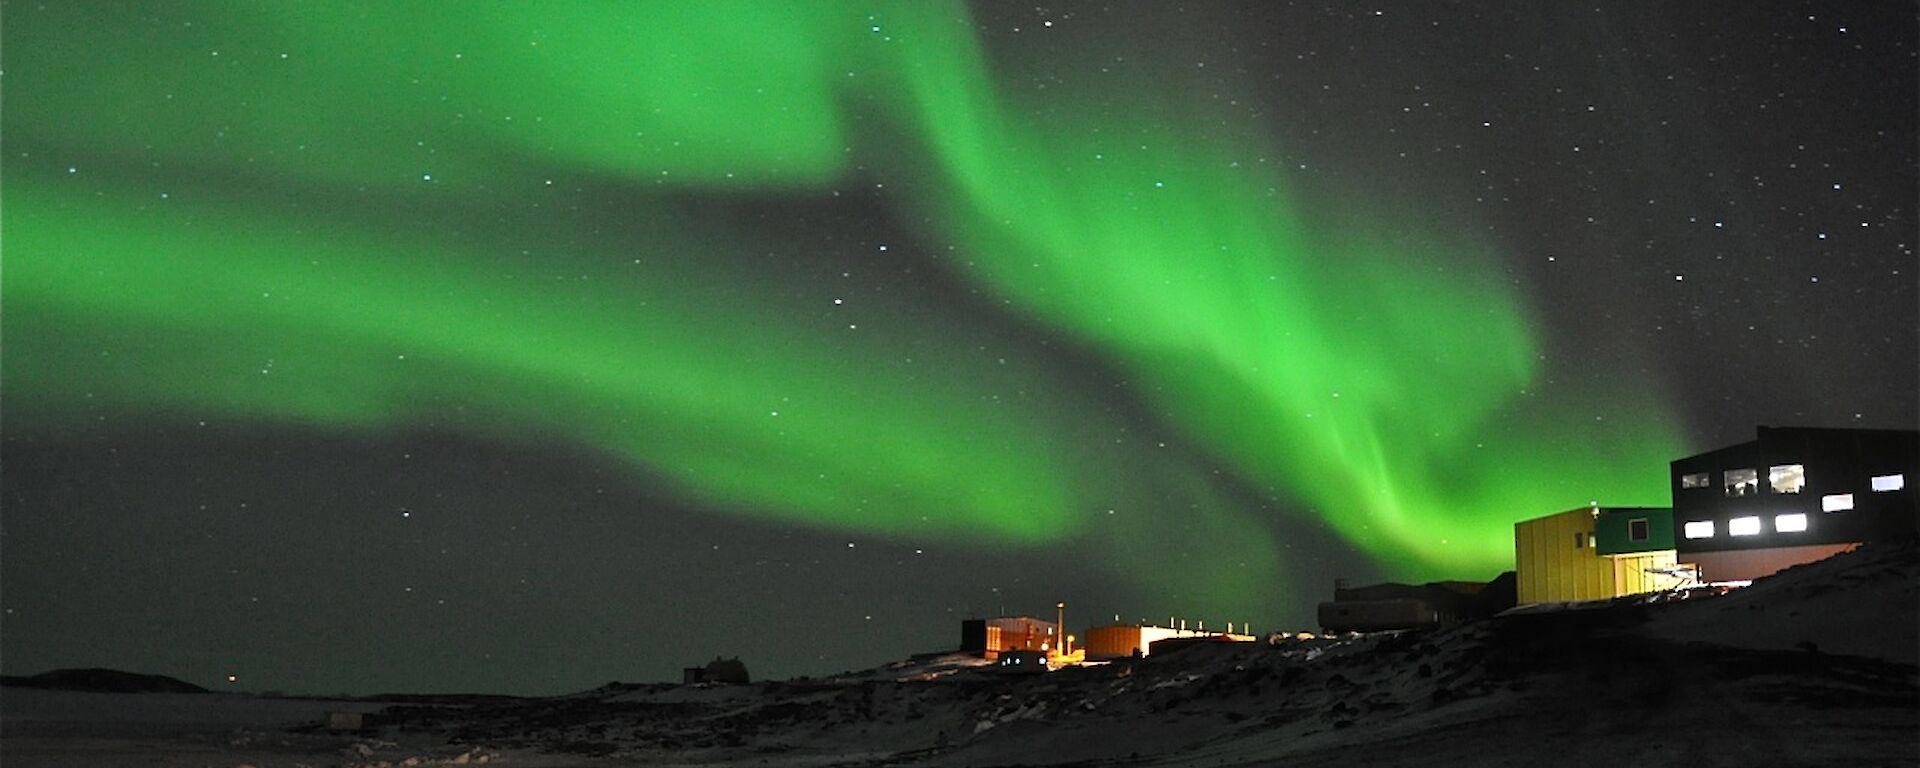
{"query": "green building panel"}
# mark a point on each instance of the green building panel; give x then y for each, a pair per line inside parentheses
(1619, 531)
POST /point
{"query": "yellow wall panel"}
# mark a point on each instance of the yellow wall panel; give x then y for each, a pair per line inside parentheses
(1555, 561)
(1632, 573)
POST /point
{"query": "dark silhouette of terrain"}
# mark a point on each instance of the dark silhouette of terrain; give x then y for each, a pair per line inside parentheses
(101, 681)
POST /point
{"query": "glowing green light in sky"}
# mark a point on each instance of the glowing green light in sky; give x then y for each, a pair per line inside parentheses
(362, 218)
(1368, 377)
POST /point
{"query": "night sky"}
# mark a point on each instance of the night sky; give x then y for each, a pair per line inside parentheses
(357, 347)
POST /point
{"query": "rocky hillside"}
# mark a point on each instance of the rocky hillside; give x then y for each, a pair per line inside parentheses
(1812, 667)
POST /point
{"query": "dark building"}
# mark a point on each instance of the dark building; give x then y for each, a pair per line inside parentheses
(1791, 496)
(1408, 606)
(731, 671)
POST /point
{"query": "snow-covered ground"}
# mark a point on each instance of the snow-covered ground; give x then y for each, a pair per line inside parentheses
(1812, 667)
(1865, 604)
(74, 728)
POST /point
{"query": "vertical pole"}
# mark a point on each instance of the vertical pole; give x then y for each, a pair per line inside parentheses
(1060, 627)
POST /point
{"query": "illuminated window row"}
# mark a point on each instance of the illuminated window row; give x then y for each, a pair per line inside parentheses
(1783, 478)
(1745, 526)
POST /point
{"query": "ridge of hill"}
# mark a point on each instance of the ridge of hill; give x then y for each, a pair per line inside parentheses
(101, 680)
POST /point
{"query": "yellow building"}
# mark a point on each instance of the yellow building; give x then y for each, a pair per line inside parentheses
(1558, 558)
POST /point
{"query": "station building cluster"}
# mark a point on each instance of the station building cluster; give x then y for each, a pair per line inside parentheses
(1792, 495)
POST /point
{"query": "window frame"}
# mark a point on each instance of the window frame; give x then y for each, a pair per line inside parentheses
(1775, 473)
(1747, 475)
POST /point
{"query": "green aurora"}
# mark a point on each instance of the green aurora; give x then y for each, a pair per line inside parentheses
(533, 226)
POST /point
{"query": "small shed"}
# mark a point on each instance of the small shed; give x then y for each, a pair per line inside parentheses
(345, 721)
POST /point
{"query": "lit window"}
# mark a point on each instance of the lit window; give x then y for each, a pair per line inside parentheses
(1836, 502)
(1741, 482)
(1637, 529)
(1884, 483)
(1793, 523)
(1699, 529)
(1787, 478)
(1695, 480)
(1743, 526)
